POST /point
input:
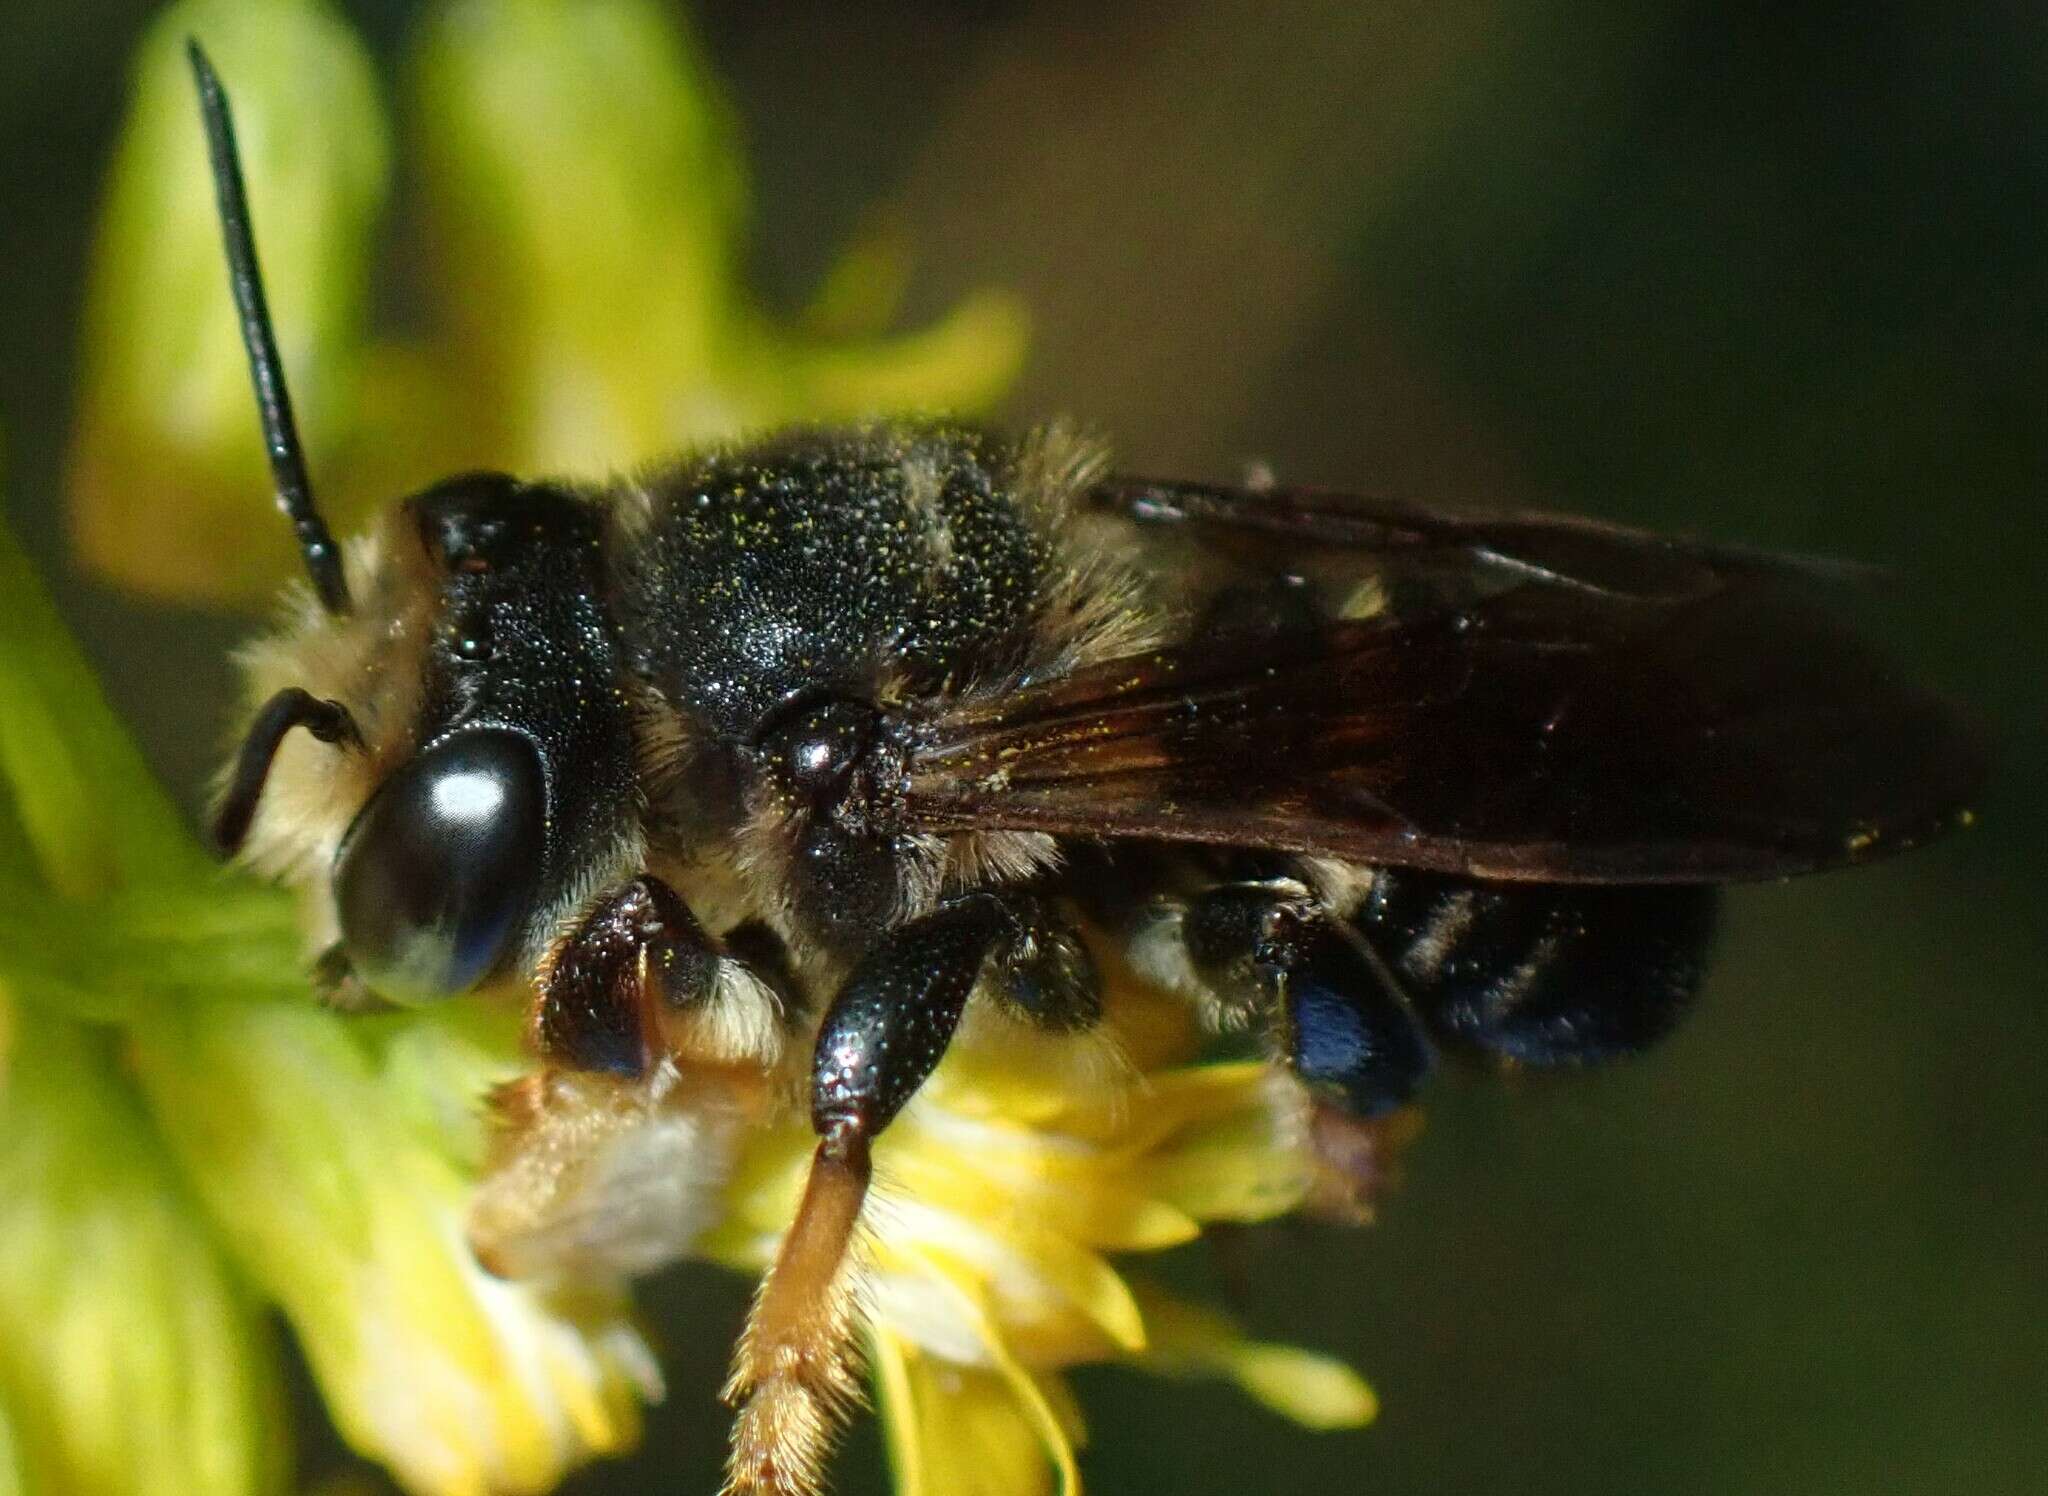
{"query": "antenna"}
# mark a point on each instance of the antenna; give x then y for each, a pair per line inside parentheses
(266, 369)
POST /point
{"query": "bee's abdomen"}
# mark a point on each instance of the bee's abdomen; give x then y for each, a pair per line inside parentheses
(1541, 974)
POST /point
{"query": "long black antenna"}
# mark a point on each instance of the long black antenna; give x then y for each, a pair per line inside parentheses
(266, 369)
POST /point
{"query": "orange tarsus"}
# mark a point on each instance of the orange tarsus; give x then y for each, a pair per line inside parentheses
(794, 1373)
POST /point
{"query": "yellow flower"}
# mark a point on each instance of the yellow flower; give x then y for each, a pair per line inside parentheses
(185, 1138)
(1005, 1196)
(348, 1212)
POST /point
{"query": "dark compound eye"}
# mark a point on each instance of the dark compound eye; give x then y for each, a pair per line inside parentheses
(435, 878)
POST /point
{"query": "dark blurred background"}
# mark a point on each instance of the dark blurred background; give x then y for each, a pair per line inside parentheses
(1770, 273)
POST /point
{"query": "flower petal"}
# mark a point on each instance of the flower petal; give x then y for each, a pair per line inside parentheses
(168, 473)
(1048, 1415)
(1316, 1391)
(954, 1430)
(130, 1358)
(1235, 1151)
(1005, 1173)
(1060, 1301)
(1040, 1403)
(344, 1198)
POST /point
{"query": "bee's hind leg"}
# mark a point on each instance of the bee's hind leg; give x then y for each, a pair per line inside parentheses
(1266, 948)
(1267, 952)
(884, 1033)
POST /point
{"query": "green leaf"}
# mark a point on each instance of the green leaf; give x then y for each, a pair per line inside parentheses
(588, 203)
(10, 1467)
(585, 204)
(20, 874)
(118, 959)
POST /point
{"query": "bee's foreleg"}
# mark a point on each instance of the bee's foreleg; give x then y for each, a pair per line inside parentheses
(660, 1052)
(611, 988)
(794, 1373)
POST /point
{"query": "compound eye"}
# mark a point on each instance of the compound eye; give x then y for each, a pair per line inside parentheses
(435, 878)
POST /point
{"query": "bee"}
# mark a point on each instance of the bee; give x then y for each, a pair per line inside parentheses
(760, 771)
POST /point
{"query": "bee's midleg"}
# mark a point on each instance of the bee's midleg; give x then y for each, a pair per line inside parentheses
(1041, 972)
(881, 1037)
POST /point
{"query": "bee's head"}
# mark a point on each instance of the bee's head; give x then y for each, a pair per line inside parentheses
(436, 873)
(466, 766)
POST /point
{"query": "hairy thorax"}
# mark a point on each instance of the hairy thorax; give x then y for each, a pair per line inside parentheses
(792, 614)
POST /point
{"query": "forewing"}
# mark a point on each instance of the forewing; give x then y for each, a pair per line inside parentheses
(1647, 714)
(1464, 548)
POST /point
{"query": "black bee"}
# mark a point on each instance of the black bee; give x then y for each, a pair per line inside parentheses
(763, 767)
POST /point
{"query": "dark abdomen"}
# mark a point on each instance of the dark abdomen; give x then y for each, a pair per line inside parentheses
(1541, 974)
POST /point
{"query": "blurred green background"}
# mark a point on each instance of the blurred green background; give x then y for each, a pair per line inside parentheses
(1770, 273)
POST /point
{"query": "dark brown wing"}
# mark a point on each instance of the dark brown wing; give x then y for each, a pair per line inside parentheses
(1682, 719)
(1486, 548)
